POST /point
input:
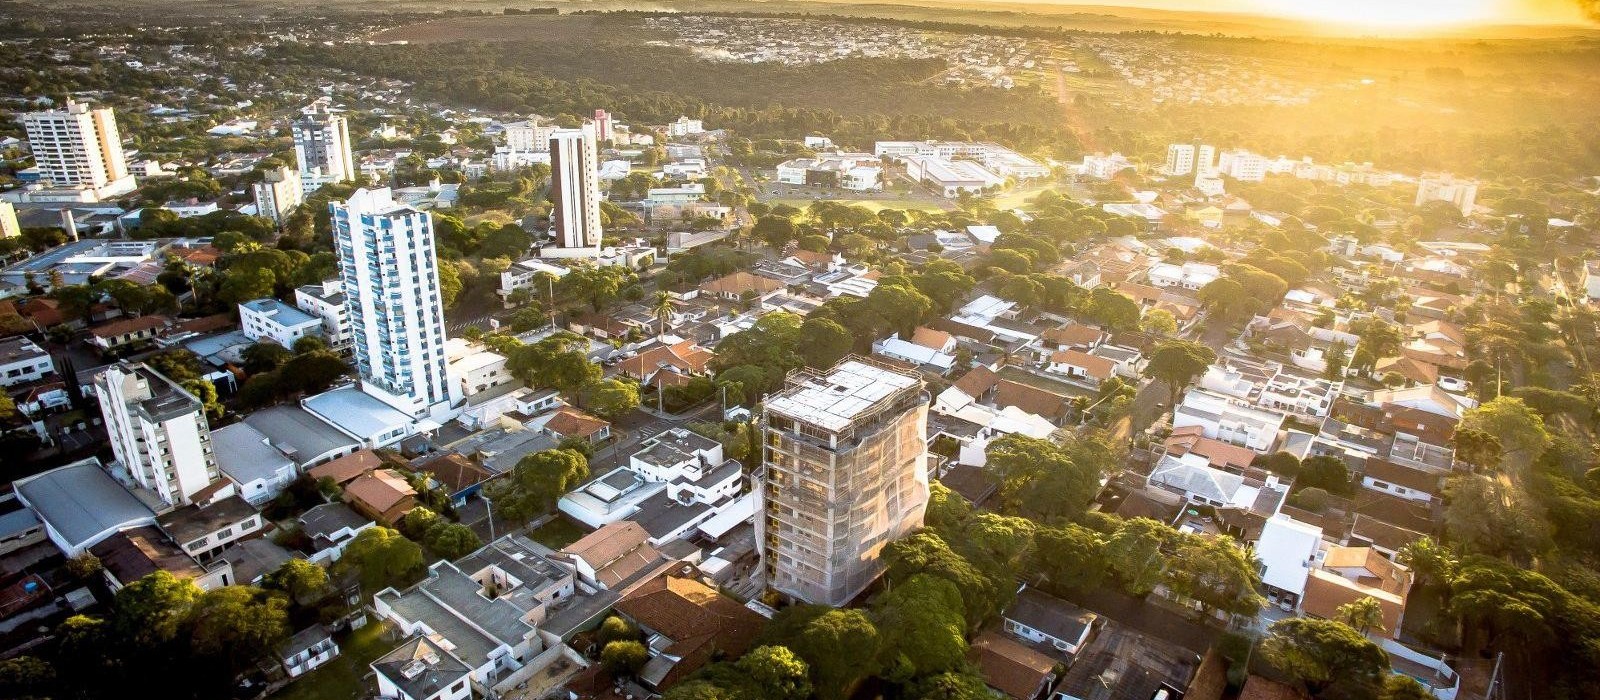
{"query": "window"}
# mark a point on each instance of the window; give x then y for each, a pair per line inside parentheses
(458, 686)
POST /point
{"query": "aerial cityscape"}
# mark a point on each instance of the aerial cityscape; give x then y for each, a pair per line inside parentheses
(722, 350)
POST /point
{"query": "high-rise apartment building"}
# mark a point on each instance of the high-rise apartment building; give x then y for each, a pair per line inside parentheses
(322, 144)
(1243, 166)
(530, 136)
(602, 126)
(846, 474)
(79, 147)
(391, 284)
(575, 189)
(8, 221)
(1443, 187)
(1180, 159)
(279, 194)
(158, 432)
(1205, 159)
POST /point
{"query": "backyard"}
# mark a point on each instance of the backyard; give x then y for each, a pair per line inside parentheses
(345, 677)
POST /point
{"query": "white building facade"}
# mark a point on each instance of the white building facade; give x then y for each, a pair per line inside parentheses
(278, 194)
(391, 282)
(575, 189)
(322, 144)
(79, 147)
(158, 432)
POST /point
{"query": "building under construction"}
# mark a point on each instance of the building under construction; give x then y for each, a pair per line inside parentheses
(846, 473)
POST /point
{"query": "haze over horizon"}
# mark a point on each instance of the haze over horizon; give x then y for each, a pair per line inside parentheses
(1420, 14)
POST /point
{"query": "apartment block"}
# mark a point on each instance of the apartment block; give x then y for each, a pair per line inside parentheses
(278, 194)
(158, 432)
(846, 473)
(322, 143)
(78, 147)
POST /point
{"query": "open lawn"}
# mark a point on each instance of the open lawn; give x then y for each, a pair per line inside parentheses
(345, 677)
(557, 533)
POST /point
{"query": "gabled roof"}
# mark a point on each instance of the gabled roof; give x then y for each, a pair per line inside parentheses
(740, 282)
(686, 356)
(382, 492)
(571, 422)
(1326, 591)
(930, 338)
(1414, 479)
(1191, 439)
(1074, 334)
(1097, 367)
(127, 326)
(348, 467)
(701, 622)
(455, 472)
(1050, 615)
(1010, 667)
(977, 381)
(1031, 399)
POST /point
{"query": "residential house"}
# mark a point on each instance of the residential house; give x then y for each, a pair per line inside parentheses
(421, 669)
(1220, 455)
(1406, 482)
(23, 361)
(273, 320)
(381, 494)
(686, 625)
(1222, 418)
(736, 286)
(331, 527)
(681, 360)
(612, 556)
(1287, 549)
(127, 332)
(1082, 367)
(1012, 669)
(1043, 619)
(1349, 574)
(456, 475)
(568, 422)
(306, 650)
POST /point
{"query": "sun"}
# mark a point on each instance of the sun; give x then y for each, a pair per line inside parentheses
(1393, 14)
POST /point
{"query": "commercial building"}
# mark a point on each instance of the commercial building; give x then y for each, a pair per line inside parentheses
(950, 177)
(322, 144)
(845, 475)
(158, 432)
(278, 194)
(857, 172)
(1243, 166)
(270, 319)
(1443, 187)
(574, 189)
(391, 279)
(79, 148)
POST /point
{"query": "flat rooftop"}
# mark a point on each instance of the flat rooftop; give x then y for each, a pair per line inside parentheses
(298, 433)
(81, 501)
(246, 454)
(356, 412)
(846, 392)
(280, 312)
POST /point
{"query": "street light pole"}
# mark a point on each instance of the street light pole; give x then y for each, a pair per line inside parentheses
(489, 508)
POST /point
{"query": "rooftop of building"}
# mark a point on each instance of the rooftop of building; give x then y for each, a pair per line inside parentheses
(18, 349)
(832, 400)
(80, 501)
(329, 518)
(280, 312)
(192, 522)
(137, 552)
(356, 412)
(421, 668)
(246, 454)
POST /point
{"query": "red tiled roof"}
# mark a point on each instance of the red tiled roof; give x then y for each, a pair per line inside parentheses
(127, 326)
(687, 356)
(1010, 667)
(701, 622)
(1097, 367)
(348, 467)
(570, 422)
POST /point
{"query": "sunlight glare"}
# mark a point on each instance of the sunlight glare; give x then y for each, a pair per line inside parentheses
(1386, 13)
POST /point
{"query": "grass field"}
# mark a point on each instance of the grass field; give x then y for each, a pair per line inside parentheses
(342, 678)
(557, 533)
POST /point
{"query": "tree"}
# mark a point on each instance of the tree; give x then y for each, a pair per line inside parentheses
(954, 685)
(616, 629)
(1158, 322)
(450, 284)
(1323, 653)
(242, 285)
(613, 398)
(1325, 472)
(1177, 362)
(1039, 479)
(26, 677)
(903, 306)
(537, 481)
(823, 342)
(1225, 300)
(452, 540)
(623, 658)
(382, 557)
(1070, 557)
(1216, 574)
(923, 626)
(1518, 428)
(265, 357)
(310, 373)
(84, 566)
(1113, 309)
(1364, 615)
(239, 624)
(776, 672)
(302, 580)
(559, 361)
(1133, 554)
(152, 610)
(775, 230)
(838, 646)
(1402, 687)
(1433, 563)
(925, 552)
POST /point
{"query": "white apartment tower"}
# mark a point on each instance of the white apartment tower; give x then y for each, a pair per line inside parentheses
(322, 144)
(158, 432)
(391, 285)
(575, 189)
(278, 194)
(529, 136)
(8, 221)
(1180, 159)
(845, 474)
(1443, 187)
(79, 147)
(1205, 159)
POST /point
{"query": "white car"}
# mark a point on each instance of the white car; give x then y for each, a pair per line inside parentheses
(1453, 384)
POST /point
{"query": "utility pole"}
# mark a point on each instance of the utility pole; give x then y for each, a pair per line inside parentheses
(1496, 690)
(489, 508)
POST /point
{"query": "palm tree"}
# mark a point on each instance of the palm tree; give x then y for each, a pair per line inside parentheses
(1365, 615)
(661, 306)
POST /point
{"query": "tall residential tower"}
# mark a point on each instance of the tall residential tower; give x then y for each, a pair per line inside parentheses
(322, 146)
(575, 189)
(158, 432)
(79, 147)
(391, 284)
(846, 473)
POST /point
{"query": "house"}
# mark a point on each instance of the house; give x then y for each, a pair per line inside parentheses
(1349, 574)
(1192, 477)
(482, 610)
(735, 286)
(684, 359)
(1221, 418)
(260, 470)
(458, 476)
(381, 494)
(611, 556)
(212, 522)
(568, 422)
(331, 527)
(345, 469)
(1406, 482)
(1011, 668)
(1287, 549)
(1073, 336)
(421, 669)
(1220, 455)
(937, 341)
(128, 331)
(23, 361)
(1082, 367)
(914, 354)
(306, 650)
(130, 555)
(301, 435)
(1044, 619)
(273, 320)
(687, 625)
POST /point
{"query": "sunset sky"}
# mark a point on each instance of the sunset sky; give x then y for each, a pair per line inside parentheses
(1414, 13)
